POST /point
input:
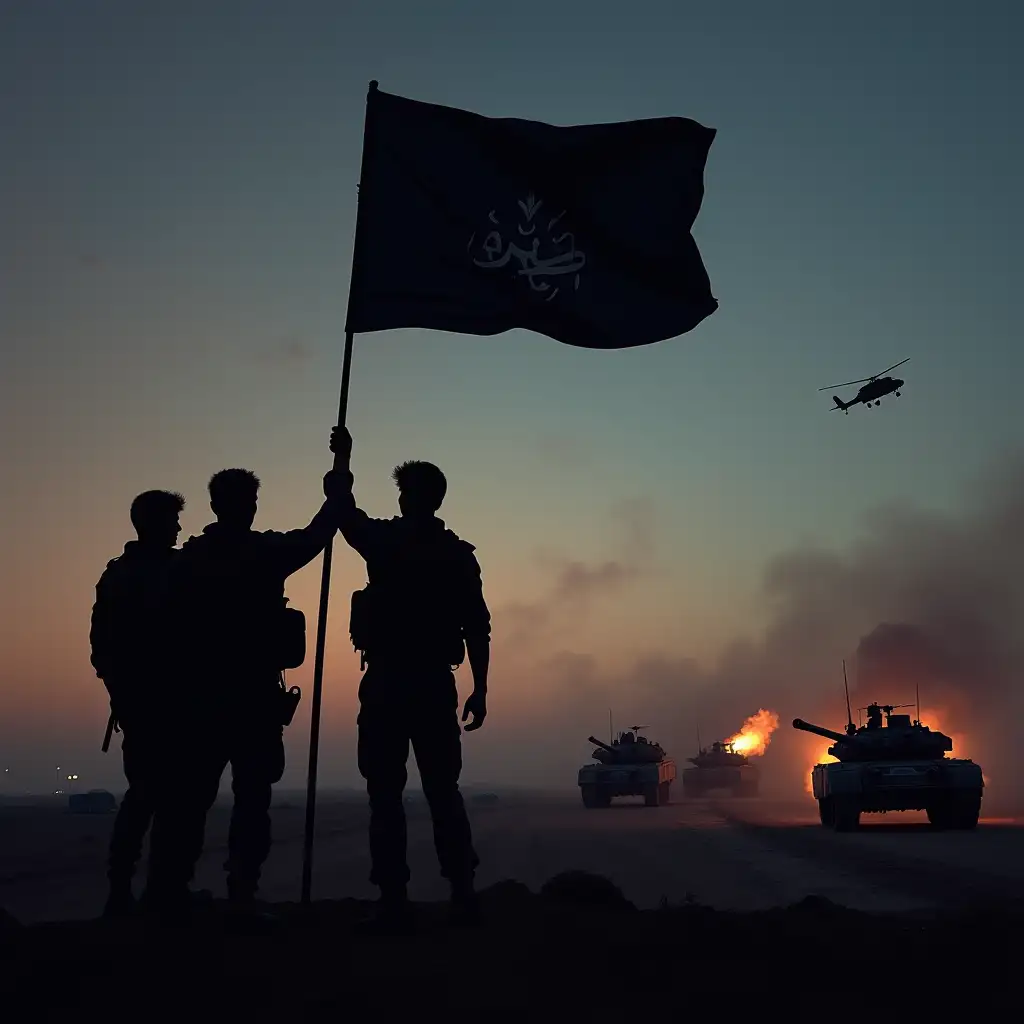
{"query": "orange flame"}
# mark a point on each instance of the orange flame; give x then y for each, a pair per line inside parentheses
(753, 738)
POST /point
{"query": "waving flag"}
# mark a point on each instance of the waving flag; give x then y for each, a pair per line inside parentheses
(479, 225)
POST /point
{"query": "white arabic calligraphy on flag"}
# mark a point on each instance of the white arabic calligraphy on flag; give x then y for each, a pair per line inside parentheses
(565, 258)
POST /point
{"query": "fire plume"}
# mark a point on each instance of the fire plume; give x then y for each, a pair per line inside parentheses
(754, 736)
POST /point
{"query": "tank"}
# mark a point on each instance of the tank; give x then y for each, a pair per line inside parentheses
(893, 765)
(631, 766)
(719, 767)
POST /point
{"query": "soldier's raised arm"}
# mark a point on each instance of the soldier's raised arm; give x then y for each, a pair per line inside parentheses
(358, 529)
(295, 549)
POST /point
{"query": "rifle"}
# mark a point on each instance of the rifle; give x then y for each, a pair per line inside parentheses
(111, 729)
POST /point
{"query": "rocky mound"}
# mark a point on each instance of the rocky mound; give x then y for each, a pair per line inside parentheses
(577, 943)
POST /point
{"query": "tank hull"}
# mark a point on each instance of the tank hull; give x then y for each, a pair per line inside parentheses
(601, 783)
(949, 790)
(740, 780)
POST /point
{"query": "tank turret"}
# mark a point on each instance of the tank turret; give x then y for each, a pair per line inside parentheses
(718, 755)
(628, 748)
(898, 739)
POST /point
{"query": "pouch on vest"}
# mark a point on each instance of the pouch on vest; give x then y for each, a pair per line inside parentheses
(369, 634)
(360, 622)
(290, 638)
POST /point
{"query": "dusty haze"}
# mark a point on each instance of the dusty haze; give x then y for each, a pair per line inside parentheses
(922, 598)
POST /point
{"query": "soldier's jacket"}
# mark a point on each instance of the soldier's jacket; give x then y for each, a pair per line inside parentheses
(425, 577)
(129, 630)
(227, 585)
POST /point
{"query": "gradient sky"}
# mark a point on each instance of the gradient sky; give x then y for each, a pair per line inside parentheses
(177, 200)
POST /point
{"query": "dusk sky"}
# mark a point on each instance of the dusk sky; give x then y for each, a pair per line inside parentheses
(177, 204)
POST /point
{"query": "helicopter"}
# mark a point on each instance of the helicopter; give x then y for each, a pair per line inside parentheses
(875, 388)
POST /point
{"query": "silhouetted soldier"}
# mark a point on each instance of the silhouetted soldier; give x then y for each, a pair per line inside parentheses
(421, 613)
(241, 637)
(130, 654)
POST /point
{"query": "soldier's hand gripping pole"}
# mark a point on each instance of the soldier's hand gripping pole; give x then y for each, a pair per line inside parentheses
(318, 659)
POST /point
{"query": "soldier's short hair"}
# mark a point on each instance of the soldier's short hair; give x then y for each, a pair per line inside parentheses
(151, 506)
(423, 479)
(232, 484)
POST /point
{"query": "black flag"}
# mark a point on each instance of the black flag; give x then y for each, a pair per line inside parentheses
(479, 225)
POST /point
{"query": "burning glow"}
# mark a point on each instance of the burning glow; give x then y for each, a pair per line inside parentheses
(753, 738)
(934, 719)
(822, 757)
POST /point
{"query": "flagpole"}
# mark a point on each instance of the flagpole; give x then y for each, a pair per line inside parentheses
(325, 576)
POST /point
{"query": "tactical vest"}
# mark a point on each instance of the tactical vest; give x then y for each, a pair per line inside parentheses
(239, 608)
(410, 608)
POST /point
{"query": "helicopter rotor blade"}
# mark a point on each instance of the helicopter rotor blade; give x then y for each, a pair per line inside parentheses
(863, 380)
(893, 367)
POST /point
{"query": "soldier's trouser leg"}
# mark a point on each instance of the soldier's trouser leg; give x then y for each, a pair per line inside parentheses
(382, 752)
(185, 795)
(135, 813)
(257, 762)
(436, 740)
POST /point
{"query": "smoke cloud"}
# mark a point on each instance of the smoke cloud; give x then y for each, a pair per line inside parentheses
(923, 602)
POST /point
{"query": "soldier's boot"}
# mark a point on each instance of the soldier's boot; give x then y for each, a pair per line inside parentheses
(167, 905)
(123, 857)
(120, 898)
(392, 914)
(174, 904)
(244, 912)
(464, 906)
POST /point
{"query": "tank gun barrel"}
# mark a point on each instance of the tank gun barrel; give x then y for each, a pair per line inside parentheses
(799, 723)
(598, 743)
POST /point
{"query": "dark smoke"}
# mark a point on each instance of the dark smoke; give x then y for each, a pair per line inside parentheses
(923, 600)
